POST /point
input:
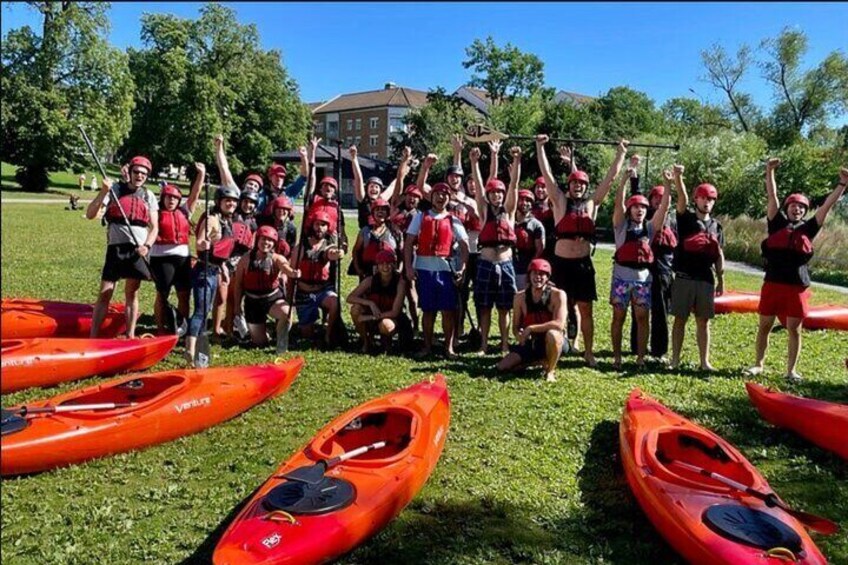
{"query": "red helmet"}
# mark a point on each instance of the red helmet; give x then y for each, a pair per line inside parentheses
(526, 195)
(495, 185)
(540, 182)
(637, 200)
(281, 203)
(386, 256)
(581, 176)
(797, 198)
(170, 190)
(539, 265)
(380, 203)
(254, 177)
(276, 169)
(658, 190)
(269, 232)
(706, 190)
(329, 180)
(320, 216)
(441, 187)
(414, 190)
(139, 161)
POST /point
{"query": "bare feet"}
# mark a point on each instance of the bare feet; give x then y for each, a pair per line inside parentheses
(707, 368)
(550, 377)
(423, 354)
(590, 359)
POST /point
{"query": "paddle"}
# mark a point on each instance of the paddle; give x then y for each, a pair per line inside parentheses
(313, 474)
(25, 410)
(813, 522)
(201, 352)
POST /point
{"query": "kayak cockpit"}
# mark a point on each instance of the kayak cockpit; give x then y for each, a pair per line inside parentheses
(10, 345)
(135, 391)
(395, 426)
(665, 446)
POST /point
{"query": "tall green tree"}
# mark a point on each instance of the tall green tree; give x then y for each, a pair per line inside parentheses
(52, 81)
(210, 75)
(505, 72)
(724, 72)
(626, 113)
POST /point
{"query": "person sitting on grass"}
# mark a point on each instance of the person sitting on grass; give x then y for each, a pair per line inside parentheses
(377, 305)
(631, 275)
(787, 251)
(259, 278)
(699, 250)
(314, 290)
(538, 323)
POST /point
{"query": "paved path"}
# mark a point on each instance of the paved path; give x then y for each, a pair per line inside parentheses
(732, 265)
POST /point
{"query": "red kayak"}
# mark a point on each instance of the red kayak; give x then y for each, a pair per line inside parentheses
(680, 474)
(351, 480)
(829, 317)
(49, 361)
(132, 413)
(737, 303)
(29, 318)
(823, 423)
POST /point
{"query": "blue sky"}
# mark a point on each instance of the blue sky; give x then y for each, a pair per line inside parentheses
(330, 48)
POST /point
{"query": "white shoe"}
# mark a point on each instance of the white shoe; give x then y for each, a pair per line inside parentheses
(754, 371)
(794, 377)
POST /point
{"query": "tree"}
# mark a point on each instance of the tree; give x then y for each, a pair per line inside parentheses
(627, 113)
(200, 77)
(724, 72)
(504, 72)
(67, 76)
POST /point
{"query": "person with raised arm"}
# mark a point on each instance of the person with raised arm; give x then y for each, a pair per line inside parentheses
(365, 192)
(170, 256)
(133, 221)
(276, 186)
(631, 275)
(698, 255)
(574, 219)
(494, 285)
(403, 210)
(787, 252)
(538, 323)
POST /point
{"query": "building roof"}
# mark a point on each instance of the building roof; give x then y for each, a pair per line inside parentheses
(563, 96)
(398, 96)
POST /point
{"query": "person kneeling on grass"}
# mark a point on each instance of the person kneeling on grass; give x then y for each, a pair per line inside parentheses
(787, 251)
(258, 278)
(538, 320)
(377, 305)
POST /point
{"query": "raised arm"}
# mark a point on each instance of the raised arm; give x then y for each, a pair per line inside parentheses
(310, 186)
(555, 195)
(619, 212)
(604, 188)
(456, 146)
(304, 161)
(480, 195)
(96, 202)
(682, 196)
(223, 164)
(403, 170)
(511, 202)
(494, 152)
(565, 154)
(662, 212)
(833, 197)
(772, 205)
(358, 185)
(421, 182)
(194, 193)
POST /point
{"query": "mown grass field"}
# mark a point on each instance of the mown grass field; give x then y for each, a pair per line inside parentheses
(530, 472)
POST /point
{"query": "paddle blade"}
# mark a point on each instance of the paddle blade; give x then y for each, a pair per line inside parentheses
(310, 474)
(816, 523)
(201, 354)
(11, 422)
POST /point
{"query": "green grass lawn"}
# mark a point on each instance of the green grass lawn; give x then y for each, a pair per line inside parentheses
(530, 471)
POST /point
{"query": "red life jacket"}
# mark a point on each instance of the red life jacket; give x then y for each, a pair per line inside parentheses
(283, 248)
(636, 251)
(373, 245)
(402, 219)
(664, 241)
(236, 240)
(383, 296)
(788, 241)
(543, 212)
(576, 223)
(703, 242)
(262, 275)
(314, 265)
(498, 230)
(243, 236)
(173, 227)
(436, 236)
(134, 206)
(538, 312)
(470, 220)
(249, 221)
(524, 242)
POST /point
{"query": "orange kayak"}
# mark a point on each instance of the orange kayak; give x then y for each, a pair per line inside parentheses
(823, 423)
(47, 361)
(152, 408)
(22, 318)
(830, 317)
(737, 303)
(704, 520)
(292, 521)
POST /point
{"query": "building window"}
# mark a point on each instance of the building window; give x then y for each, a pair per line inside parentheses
(396, 125)
(319, 127)
(358, 124)
(333, 129)
(357, 140)
(372, 140)
(348, 141)
(373, 122)
(349, 125)
(374, 155)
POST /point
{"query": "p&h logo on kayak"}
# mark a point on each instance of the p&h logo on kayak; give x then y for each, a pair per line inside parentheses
(272, 540)
(193, 403)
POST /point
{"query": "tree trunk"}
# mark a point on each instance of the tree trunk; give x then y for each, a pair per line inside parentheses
(33, 178)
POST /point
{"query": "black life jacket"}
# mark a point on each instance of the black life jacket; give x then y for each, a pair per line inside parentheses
(788, 244)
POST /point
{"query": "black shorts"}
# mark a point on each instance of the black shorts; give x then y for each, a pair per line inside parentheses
(534, 349)
(256, 309)
(124, 262)
(171, 271)
(576, 277)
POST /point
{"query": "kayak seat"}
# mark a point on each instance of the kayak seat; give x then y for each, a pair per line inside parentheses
(394, 426)
(700, 450)
(297, 497)
(130, 391)
(751, 527)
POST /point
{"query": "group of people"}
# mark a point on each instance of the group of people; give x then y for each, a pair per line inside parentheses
(423, 248)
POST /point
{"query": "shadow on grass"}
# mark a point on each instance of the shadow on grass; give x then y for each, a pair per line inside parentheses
(203, 553)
